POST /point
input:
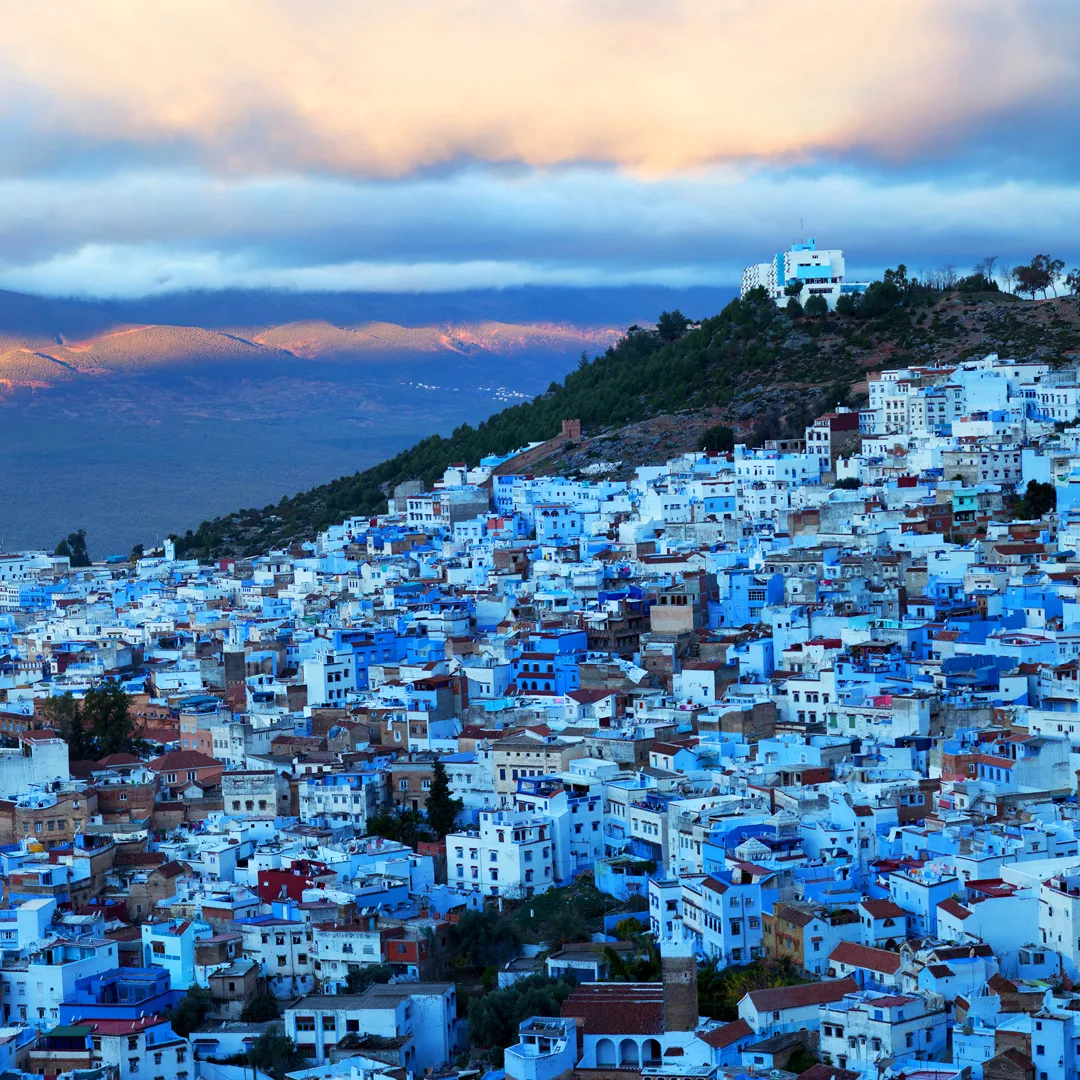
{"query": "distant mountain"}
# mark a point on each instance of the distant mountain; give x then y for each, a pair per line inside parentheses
(45, 342)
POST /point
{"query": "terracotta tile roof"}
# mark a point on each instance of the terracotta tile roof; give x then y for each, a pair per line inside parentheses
(954, 908)
(883, 909)
(184, 759)
(724, 1036)
(864, 956)
(779, 998)
(618, 1008)
(793, 915)
(828, 1072)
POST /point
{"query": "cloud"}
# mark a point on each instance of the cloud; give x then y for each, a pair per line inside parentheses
(374, 89)
(140, 232)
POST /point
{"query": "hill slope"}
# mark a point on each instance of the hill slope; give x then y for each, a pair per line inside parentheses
(750, 360)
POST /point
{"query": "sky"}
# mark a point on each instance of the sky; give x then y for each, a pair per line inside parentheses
(434, 145)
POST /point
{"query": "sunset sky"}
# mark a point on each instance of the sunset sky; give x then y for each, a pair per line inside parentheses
(447, 144)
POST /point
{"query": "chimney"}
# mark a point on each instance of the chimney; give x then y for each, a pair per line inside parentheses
(679, 975)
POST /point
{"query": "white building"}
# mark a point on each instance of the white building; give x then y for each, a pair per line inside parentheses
(866, 1027)
(821, 273)
(511, 853)
(424, 1013)
(33, 987)
(721, 916)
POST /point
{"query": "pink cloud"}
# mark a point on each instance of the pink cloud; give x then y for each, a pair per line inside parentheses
(385, 89)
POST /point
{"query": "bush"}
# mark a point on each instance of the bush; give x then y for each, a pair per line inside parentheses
(720, 438)
(260, 1008)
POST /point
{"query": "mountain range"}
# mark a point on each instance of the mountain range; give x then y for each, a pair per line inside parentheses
(136, 418)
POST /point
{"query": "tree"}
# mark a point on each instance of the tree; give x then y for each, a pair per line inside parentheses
(494, 1018)
(64, 716)
(977, 282)
(816, 306)
(1038, 501)
(985, 266)
(275, 1053)
(794, 288)
(1053, 269)
(849, 483)
(627, 929)
(99, 725)
(672, 325)
(642, 965)
(766, 427)
(720, 438)
(262, 1007)
(106, 713)
(359, 979)
(847, 304)
(1038, 275)
(481, 939)
(794, 308)
(720, 988)
(137, 553)
(398, 823)
(442, 808)
(1072, 282)
(192, 1010)
(73, 547)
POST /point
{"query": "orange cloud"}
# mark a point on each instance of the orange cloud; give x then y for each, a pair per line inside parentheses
(371, 88)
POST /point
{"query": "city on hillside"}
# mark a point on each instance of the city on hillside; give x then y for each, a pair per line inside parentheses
(761, 762)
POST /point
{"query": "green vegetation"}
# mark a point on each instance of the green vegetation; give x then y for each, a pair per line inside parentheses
(262, 1007)
(73, 547)
(192, 1010)
(99, 725)
(724, 361)
(480, 940)
(442, 808)
(720, 438)
(1039, 500)
(494, 1018)
(720, 989)
(359, 979)
(273, 1052)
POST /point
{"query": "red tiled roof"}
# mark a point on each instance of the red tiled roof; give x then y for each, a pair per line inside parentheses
(883, 909)
(954, 908)
(618, 1008)
(724, 1036)
(779, 998)
(864, 956)
(828, 1072)
(184, 759)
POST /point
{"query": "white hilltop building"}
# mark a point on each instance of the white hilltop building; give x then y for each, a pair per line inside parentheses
(821, 273)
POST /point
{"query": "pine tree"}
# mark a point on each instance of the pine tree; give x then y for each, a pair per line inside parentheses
(442, 808)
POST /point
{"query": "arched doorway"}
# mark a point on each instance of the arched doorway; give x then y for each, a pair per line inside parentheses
(605, 1053)
(651, 1053)
(628, 1054)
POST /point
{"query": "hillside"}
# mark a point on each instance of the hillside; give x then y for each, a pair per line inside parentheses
(751, 367)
